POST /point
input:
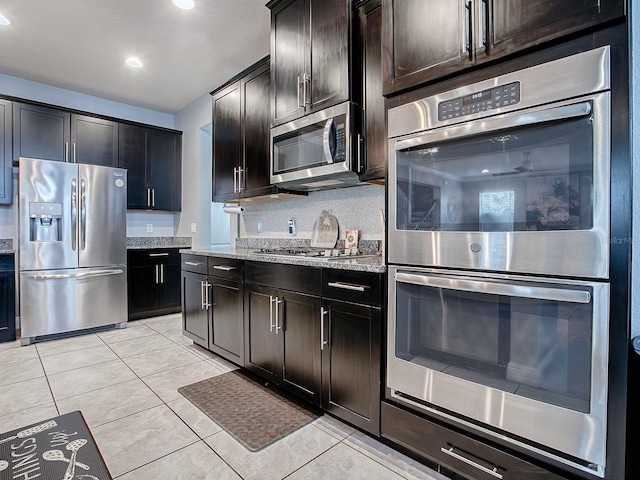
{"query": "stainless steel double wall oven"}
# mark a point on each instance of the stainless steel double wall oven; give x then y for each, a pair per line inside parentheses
(499, 199)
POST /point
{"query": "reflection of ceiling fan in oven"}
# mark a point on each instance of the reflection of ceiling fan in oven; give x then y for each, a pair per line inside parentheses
(526, 167)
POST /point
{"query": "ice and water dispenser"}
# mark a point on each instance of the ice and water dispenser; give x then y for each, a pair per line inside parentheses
(45, 222)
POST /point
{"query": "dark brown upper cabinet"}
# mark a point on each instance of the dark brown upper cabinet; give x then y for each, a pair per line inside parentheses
(153, 159)
(6, 178)
(367, 91)
(56, 134)
(240, 132)
(309, 56)
(424, 41)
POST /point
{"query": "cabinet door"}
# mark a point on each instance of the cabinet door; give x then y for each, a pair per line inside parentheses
(94, 141)
(164, 167)
(424, 40)
(255, 133)
(226, 328)
(298, 321)
(373, 152)
(195, 314)
(7, 299)
(6, 179)
(41, 132)
(518, 24)
(328, 54)
(141, 289)
(263, 348)
(351, 364)
(227, 143)
(169, 286)
(289, 47)
(132, 155)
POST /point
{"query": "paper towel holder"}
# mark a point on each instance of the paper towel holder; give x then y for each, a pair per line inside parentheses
(237, 209)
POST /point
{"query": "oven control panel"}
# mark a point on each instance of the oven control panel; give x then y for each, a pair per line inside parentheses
(488, 99)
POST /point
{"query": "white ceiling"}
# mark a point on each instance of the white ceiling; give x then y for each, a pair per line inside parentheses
(81, 45)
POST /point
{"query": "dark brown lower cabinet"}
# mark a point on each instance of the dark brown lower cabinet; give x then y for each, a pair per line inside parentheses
(153, 282)
(195, 309)
(7, 299)
(282, 327)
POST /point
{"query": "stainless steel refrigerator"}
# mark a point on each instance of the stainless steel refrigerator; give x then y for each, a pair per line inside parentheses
(73, 256)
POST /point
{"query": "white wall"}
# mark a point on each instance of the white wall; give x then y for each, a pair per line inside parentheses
(635, 155)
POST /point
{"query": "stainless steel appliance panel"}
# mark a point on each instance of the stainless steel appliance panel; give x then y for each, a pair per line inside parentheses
(57, 301)
(523, 404)
(582, 251)
(101, 226)
(48, 221)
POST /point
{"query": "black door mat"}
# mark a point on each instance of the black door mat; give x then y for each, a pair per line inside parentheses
(254, 414)
(59, 448)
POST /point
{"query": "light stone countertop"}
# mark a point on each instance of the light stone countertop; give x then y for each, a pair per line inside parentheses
(6, 246)
(139, 243)
(367, 264)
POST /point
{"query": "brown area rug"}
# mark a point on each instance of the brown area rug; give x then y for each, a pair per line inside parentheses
(252, 413)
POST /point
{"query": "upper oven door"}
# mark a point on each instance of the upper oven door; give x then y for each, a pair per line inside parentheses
(313, 146)
(526, 191)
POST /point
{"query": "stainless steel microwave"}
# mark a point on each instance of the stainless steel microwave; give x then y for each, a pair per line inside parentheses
(314, 152)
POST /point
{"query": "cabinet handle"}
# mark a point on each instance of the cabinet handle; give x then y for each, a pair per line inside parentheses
(469, 45)
(493, 472)
(323, 342)
(278, 324)
(235, 187)
(66, 152)
(487, 27)
(298, 85)
(223, 267)
(153, 197)
(348, 286)
(162, 273)
(148, 197)
(74, 159)
(305, 78)
(207, 300)
(159, 255)
(271, 325)
(359, 156)
(240, 179)
(193, 264)
(156, 274)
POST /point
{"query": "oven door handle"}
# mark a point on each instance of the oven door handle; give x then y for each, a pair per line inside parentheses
(500, 122)
(494, 288)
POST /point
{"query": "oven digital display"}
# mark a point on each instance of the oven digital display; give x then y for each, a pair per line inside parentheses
(492, 98)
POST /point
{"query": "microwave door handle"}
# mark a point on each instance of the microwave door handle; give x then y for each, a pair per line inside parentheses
(494, 288)
(500, 122)
(326, 139)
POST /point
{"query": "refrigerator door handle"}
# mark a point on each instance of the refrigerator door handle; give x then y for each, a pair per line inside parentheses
(74, 215)
(83, 214)
(63, 276)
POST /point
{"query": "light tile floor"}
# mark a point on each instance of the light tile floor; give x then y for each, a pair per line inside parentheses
(126, 383)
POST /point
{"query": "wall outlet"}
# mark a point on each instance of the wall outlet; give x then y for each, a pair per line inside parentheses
(193, 228)
(292, 226)
(259, 228)
(149, 227)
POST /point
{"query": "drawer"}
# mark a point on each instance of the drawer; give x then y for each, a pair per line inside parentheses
(296, 278)
(353, 287)
(456, 451)
(228, 268)
(153, 256)
(194, 263)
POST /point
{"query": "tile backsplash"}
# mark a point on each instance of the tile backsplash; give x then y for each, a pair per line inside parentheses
(354, 208)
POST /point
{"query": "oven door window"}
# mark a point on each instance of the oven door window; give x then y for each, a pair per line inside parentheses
(536, 348)
(533, 178)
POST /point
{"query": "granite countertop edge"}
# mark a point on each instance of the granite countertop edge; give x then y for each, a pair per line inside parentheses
(143, 243)
(6, 246)
(369, 264)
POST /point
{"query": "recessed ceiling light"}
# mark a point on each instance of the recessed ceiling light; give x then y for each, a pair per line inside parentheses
(184, 4)
(133, 62)
(4, 21)
(485, 170)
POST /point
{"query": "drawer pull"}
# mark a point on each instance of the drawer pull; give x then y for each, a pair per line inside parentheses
(493, 472)
(223, 267)
(347, 286)
(158, 254)
(193, 264)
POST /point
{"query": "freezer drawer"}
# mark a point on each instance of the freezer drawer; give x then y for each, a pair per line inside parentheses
(58, 301)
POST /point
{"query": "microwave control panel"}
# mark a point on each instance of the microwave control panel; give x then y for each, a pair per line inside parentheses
(496, 97)
(340, 153)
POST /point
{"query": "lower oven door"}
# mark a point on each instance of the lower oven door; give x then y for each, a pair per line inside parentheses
(520, 357)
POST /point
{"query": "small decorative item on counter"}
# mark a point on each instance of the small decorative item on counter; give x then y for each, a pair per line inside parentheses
(351, 239)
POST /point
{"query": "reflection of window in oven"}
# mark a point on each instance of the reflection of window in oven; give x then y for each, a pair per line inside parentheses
(497, 211)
